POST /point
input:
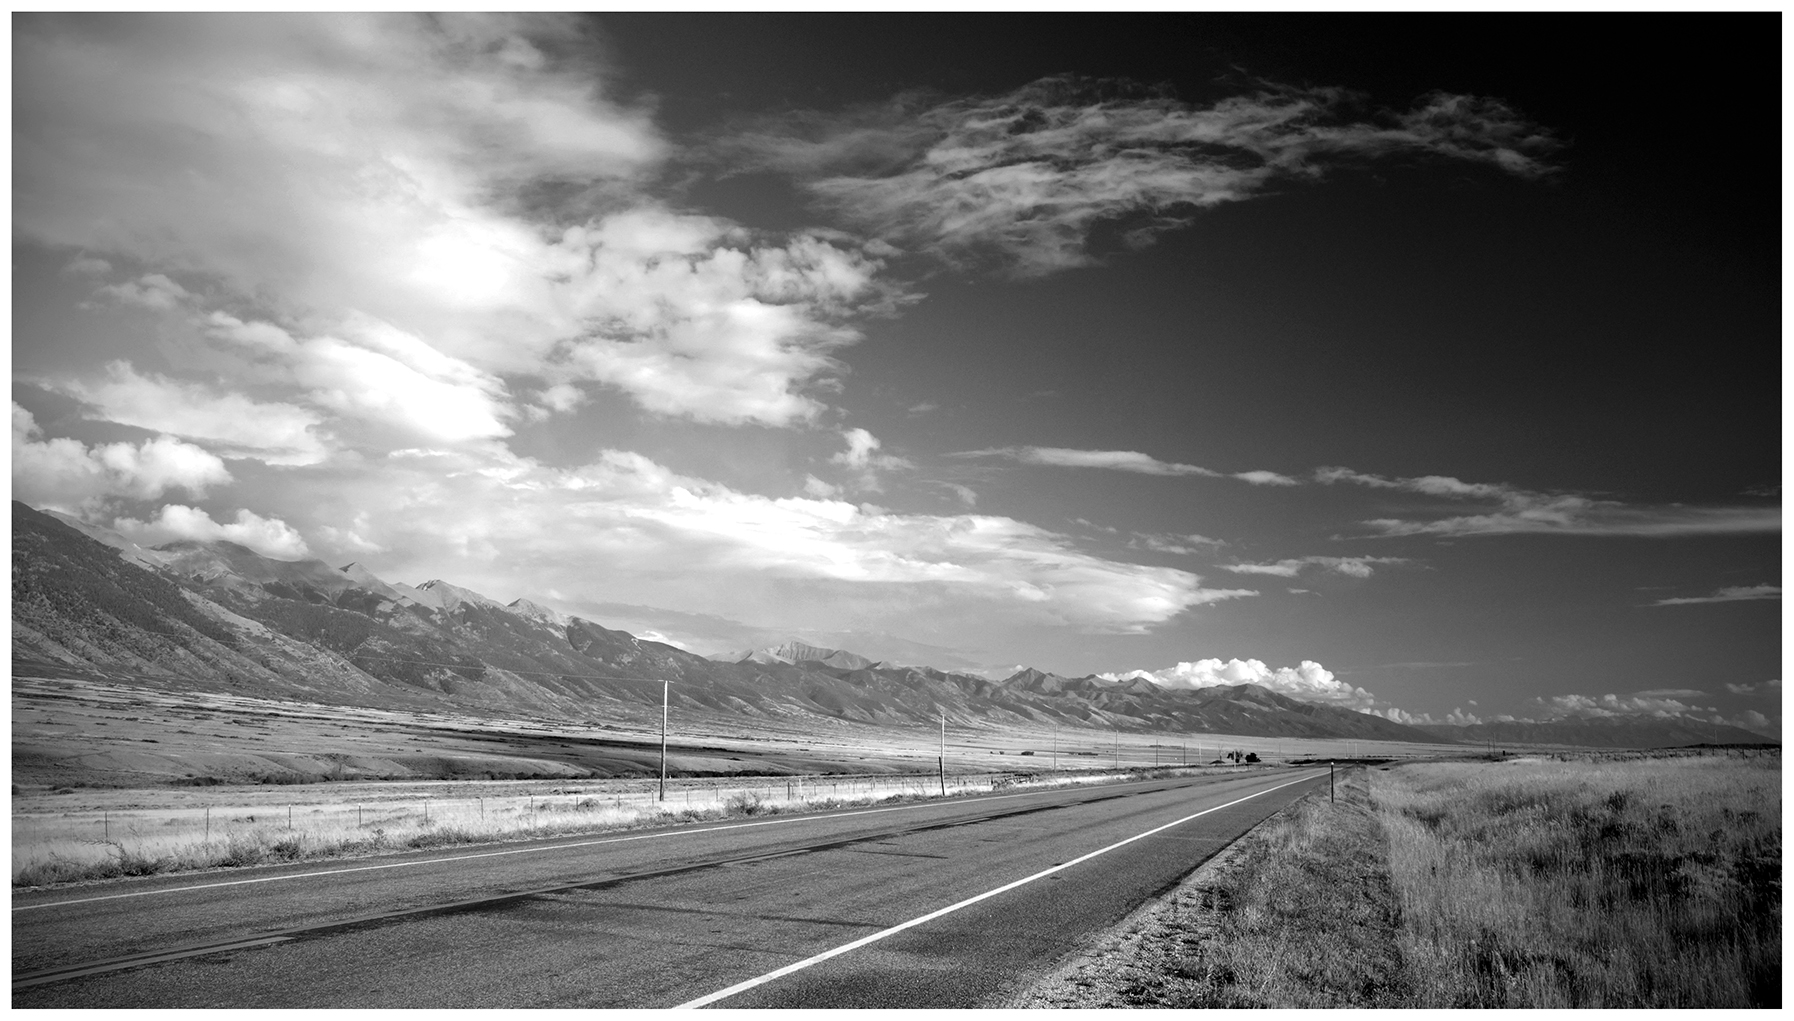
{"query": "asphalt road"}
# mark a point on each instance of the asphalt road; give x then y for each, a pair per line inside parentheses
(944, 904)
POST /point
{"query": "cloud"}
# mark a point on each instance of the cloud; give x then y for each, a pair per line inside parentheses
(819, 489)
(372, 373)
(87, 266)
(270, 537)
(1767, 688)
(276, 432)
(1669, 693)
(152, 290)
(66, 474)
(1266, 478)
(1456, 718)
(1117, 460)
(1356, 567)
(966, 495)
(694, 318)
(1585, 706)
(1309, 682)
(1182, 545)
(1517, 511)
(863, 459)
(1025, 181)
(1733, 594)
(461, 179)
(623, 528)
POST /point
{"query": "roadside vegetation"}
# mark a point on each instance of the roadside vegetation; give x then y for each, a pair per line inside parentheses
(1605, 880)
(49, 849)
(1599, 882)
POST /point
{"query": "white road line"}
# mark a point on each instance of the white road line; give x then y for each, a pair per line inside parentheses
(535, 850)
(741, 987)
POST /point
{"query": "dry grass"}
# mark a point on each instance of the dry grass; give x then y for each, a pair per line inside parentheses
(53, 848)
(1298, 913)
(1304, 921)
(1617, 881)
(1588, 883)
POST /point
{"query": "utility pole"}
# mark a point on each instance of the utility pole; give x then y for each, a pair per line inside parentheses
(943, 753)
(664, 686)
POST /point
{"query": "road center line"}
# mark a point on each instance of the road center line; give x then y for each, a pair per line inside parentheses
(741, 987)
(550, 847)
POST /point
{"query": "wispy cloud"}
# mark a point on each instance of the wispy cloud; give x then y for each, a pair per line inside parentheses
(1733, 594)
(1026, 179)
(234, 424)
(1356, 567)
(1120, 460)
(1766, 688)
(1520, 511)
(1182, 545)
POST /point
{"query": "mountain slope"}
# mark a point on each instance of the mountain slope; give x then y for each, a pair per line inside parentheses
(218, 614)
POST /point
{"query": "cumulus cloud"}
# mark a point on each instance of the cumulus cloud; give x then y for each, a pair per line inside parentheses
(1456, 718)
(1026, 180)
(1118, 460)
(1583, 706)
(1309, 682)
(275, 432)
(67, 474)
(864, 461)
(1356, 567)
(1732, 594)
(1517, 510)
(463, 179)
(693, 318)
(270, 537)
(1766, 688)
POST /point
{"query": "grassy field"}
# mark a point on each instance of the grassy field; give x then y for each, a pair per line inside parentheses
(1612, 880)
(371, 818)
(1599, 882)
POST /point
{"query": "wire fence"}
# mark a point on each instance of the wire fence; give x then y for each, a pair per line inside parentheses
(222, 833)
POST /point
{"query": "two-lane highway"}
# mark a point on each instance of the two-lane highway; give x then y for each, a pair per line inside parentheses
(947, 904)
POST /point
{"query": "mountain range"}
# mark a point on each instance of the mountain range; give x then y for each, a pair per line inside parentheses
(219, 616)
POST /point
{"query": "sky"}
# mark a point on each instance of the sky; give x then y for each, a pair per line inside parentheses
(1421, 365)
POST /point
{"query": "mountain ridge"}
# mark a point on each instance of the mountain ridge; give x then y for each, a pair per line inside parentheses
(220, 614)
